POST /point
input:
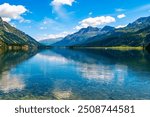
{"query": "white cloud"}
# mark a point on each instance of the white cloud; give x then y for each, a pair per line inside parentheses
(25, 21)
(9, 12)
(6, 19)
(96, 21)
(121, 16)
(47, 21)
(120, 10)
(121, 26)
(62, 2)
(43, 28)
(54, 36)
(58, 7)
(90, 13)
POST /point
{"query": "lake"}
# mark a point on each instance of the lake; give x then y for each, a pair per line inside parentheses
(89, 74)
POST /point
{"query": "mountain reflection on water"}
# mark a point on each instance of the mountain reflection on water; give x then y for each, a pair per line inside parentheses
(75, 74)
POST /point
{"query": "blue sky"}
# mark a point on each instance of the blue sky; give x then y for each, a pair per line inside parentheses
(55, 18)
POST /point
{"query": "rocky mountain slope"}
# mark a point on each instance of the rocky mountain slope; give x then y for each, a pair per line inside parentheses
(134, 34)
(12, 38)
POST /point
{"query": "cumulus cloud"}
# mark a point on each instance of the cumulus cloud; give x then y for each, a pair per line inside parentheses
(62, 2)
(96, 21)
(58, 7)
(121, 26)
(9, 12)
(121, 16)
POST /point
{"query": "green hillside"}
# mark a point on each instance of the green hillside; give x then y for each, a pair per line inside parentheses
(12, 38)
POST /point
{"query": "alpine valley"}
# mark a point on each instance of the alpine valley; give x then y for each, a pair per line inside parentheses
(136, 34)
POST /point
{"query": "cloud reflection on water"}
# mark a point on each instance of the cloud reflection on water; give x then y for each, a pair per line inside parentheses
(54, 58)
(10, 82)
(96, 72)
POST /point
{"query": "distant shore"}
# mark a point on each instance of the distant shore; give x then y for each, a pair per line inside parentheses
(123, 48)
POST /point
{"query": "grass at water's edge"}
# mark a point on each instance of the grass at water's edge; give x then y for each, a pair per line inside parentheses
(121, 48)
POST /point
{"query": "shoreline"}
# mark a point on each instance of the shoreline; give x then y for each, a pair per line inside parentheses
(112, 48)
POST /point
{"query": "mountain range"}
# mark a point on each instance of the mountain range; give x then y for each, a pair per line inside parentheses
(48, 42)
(134, 34)
(83, 35)
(12, 38)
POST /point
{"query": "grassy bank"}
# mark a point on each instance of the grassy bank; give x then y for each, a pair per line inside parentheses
(123, 48)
